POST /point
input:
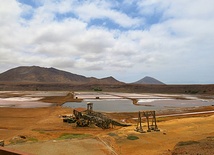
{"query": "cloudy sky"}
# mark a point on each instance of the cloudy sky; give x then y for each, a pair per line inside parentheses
(170, 40)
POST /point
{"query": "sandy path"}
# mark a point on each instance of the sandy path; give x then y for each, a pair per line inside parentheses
(64, 147)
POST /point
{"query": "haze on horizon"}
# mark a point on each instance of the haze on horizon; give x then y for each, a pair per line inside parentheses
(172, 41)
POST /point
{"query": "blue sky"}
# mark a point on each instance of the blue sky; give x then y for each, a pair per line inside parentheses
(171, 41)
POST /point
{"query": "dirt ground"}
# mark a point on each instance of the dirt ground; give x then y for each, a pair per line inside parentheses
(38, 131)
(63, 147)
(43, 124)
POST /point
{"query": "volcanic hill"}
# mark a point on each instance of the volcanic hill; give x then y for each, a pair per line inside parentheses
(149, 80)
(35, 74)
(34, 78)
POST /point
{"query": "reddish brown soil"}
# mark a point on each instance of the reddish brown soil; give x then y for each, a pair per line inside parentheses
(59, 100)
(43, 124)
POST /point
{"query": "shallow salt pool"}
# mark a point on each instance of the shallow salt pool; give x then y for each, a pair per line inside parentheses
(125, 105)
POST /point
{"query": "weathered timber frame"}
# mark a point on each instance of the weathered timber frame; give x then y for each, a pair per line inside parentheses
(149, 115)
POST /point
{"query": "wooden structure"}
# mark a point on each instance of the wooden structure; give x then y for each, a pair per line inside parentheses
(88, 117)
(139, 124)
(149, 115)
(89, 107)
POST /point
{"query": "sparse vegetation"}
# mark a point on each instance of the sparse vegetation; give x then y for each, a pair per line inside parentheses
(112, 134)
(187, 143)
(97, 89)
(40, 131)
(193, 92)
(131, 137)
(32, 139)
(22, 139)
(17, 141)
(72, 136)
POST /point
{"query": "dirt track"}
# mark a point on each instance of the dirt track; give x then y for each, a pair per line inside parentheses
(63, 147)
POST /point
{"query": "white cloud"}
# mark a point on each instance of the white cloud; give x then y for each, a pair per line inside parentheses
(179, 44)
(102, 10)
(9, 12)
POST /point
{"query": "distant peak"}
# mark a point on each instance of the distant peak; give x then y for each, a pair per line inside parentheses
(149, 80)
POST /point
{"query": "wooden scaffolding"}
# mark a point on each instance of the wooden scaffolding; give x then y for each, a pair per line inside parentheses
(150, 119)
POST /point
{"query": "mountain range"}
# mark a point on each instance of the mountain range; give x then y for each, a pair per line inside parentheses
(36, 74)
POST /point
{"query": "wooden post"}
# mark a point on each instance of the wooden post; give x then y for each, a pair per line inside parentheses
(147, 119)
(89, 107)
(154, 119)
(139, 124)
(152, 126)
